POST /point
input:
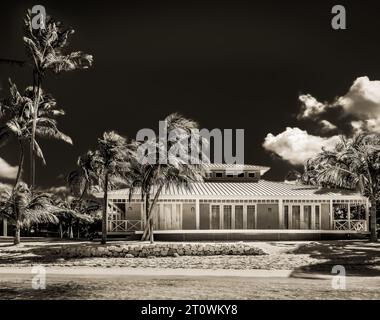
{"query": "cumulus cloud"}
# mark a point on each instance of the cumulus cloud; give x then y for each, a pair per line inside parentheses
(296, 146)
(327, 126)
(310, 107)
(362, 102)
(359, 108)
(6, 170)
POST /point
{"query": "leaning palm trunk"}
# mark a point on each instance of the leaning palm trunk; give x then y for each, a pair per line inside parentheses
(105, 205)
(148, 231)
(373, 221)
(20, 166)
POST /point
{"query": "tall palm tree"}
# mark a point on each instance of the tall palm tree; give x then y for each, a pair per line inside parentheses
(14, 123)
(111, 161)
(24, 208)
(16, 120)
(46, 48)
(353, 164)
(180, 170)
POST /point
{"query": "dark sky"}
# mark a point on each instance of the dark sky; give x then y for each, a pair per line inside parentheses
(225, 65)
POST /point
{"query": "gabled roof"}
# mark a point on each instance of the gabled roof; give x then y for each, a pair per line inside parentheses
(261, 188)
(235, 167)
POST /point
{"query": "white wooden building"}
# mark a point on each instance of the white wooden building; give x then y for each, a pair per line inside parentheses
(236, 203)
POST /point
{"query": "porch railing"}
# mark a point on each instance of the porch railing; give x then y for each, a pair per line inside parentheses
(124, 225)
(352, 225)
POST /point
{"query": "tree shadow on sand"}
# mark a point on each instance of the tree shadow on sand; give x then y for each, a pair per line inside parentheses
(31, 254)
(359, 258)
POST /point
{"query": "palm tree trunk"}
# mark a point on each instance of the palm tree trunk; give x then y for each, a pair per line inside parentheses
(20, 166)
(151, 231)
(373, 221)
(33, 137)
(17, 238)
(145, 235)
(60, 230)
(149, 222)
(83, 192)
(105, 205)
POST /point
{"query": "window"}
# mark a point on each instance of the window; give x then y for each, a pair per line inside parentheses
(227, 216)
(238, 217)
(296, 216)
(317, 218)
(286, 217)
(241, 175)
(219, 174)
(357, 212)
(215, 217)
(307, 217)
(340, 211)
(251, 223)
(251, 174)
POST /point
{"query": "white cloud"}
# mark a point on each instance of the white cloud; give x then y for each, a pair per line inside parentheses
(311, 107)
(6, 170)
(296, 146)
(361, 105)
(363, 102)
(327, 125)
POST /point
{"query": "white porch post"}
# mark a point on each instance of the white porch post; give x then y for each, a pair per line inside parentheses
(367, 215)
(197, 214)
(281, 214)
(244, 216)
(349, 216)
(331, 215)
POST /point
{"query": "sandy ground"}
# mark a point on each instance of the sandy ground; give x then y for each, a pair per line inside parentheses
(359, 257)
(290, 270)
(61, 287)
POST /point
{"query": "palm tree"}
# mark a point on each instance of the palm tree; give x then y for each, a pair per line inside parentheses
(24, 208)
(71, 211)
(353, 164)
(111, 161)
(17, 121)
(179, 171)
(14, 123)
(46, 49)
(84, 177)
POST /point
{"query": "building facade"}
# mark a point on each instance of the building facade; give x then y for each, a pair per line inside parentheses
(235, 203)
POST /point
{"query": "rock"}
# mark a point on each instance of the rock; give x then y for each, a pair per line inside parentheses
(128, 255)
(60, 260)
(151, 257)
(175, 255)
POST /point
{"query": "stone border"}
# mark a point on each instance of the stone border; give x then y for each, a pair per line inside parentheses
(158, 250)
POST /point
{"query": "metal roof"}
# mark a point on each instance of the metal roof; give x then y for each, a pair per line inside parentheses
(261, 188)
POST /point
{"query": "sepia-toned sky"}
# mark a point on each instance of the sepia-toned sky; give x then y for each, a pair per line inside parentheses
(274, 68)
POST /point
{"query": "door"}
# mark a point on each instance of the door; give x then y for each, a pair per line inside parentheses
(267, 216)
